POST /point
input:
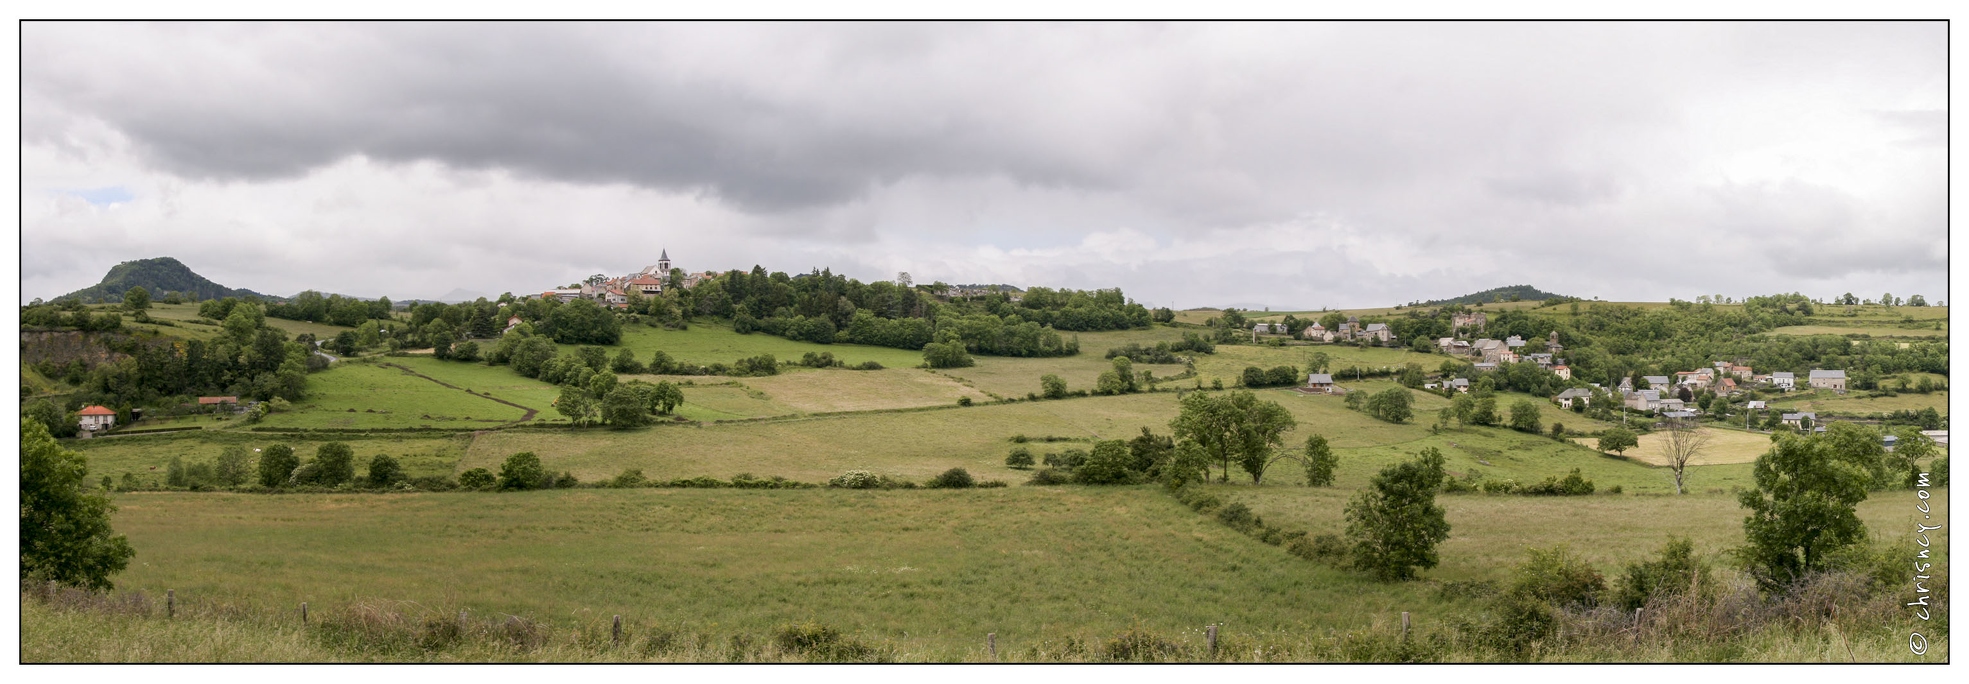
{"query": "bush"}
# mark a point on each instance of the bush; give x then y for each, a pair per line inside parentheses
(963, 401)
(277, 464)
(1108, 464)
(477, 479)
(1052, 386)
(946, 355)
(1573, 484)
(1674, 571)
(820, 643)
(955, 478)
(628, 479)
(384, 472)
(522, 471)
(856, 479)
(1320, 462)
(435, 483)
(763, 364)
(1198, 500)
(868, 365)
(818, 360)
(1557, 578)
(1020, 458)
(1138, 645)
(1050, 476)
(1238, 516)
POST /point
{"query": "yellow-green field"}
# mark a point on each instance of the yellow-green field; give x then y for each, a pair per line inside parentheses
(148, 456)
(1724, 447)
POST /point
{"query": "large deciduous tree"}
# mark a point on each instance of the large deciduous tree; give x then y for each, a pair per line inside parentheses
(1803, 507)
(1395, 524)
(65, 535)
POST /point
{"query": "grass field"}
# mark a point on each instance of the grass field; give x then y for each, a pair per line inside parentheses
(1489, 534)
(925, 573)
(371, 395)
(1825, 401)
(931, 570)
(1873, 331)
(147, 456)
(709, 342)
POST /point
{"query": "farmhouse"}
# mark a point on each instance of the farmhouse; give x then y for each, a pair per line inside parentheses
(1827, 379)
(1378, 331)
(1797, 420)
(1565, 399)
(95, 418)
(1321, 383)
(1784, 381)
(1757, 405)
(1563, 372)
(1741, 372)
(218, 403)
(1657, 381)
(1644, 400)
(1485, 366)
(1460, 384)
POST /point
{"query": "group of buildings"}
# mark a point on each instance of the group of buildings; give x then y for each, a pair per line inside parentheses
(614, 292)
(1350, 331)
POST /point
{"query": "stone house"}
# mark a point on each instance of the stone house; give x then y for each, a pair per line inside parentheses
(1565, 399)
(1827, 379)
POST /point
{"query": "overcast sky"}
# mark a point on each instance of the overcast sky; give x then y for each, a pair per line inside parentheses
(1286, 165)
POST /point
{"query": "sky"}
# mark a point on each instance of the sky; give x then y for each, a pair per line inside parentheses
(1284, 165)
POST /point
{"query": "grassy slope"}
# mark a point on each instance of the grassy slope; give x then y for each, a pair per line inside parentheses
(1822, 400)
(369, 395)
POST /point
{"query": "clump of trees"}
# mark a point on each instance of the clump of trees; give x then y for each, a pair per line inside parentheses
(1802, 509)
(1236, 426)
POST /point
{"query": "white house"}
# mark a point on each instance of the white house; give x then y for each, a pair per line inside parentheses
(1319, 382)
(1579, 394)
(1784, 380)
(94, 418)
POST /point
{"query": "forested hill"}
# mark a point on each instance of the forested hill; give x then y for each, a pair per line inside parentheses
(158, 276)
(1508, 293)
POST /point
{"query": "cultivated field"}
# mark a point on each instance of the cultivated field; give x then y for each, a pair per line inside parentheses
(374, 395)
(1871, 330)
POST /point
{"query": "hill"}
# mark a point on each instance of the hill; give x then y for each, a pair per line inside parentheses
(1508, 293)
(159, 275)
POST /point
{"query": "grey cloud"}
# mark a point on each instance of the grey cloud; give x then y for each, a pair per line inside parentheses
(1530, 150)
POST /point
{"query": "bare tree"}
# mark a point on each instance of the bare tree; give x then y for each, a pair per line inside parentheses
(1681, 443)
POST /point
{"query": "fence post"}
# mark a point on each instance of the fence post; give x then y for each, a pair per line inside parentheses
(1637, 619)
(170, 603)
(1404, 626)
(461, 622)
(991, 642)
(617, 635)
(304, 613)
(1211, 634)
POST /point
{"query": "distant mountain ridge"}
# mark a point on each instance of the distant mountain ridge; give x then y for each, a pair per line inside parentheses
(1507, 293)
(158, 276)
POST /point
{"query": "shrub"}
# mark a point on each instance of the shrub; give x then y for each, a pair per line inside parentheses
(1573, 484)
(277, 464)
(630, 478)
(435, 483)
(1506, 486)
(1138, 645)
(478, 479)
(820, 643)
(946, 355)
(1020, 458)
(763, 364)
(1238, 516)
(963, 401)
(1069, 459)
(868, 365)
(384, 471)
(521, 472)
(1052, 387)
(1198, 500)
(1675, 570)
(955, 478)
(855, 479)
(1108, 464)
(1556, 577)
(1802, 509)
(818, 360)
(1050, 476)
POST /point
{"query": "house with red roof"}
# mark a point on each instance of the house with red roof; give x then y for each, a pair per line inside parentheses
(96, 418)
